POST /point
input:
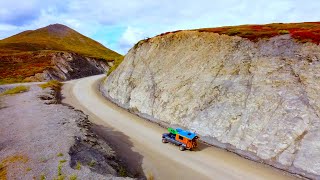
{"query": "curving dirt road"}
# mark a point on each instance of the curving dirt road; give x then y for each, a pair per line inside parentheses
(162, 161)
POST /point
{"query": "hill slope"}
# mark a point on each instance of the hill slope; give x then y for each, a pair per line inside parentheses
(57, 37)
(31, 52)
(257, 96)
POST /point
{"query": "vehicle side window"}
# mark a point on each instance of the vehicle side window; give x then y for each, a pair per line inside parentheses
(180, 137)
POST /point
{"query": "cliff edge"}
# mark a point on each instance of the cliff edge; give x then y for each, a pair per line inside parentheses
(256, 98)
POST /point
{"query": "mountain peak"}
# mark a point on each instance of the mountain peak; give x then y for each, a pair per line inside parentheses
(58, 29)
(57, 37)
(57, 26)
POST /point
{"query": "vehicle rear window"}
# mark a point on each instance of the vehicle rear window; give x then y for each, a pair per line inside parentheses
(180, 137)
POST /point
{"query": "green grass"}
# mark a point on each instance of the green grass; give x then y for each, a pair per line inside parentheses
(283, 32)
(122, 172)
(42, 176)
(73, 177)
(54, 84)
(78, 166)
(60, 176)
(117, 62)
(59, 155)
(11, 80)
(28, 169)
(62, 161)
(15, 90)
(59, 169)
(92, 163)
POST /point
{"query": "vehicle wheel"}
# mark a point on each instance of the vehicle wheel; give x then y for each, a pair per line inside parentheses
(182, 148)
(164, 140)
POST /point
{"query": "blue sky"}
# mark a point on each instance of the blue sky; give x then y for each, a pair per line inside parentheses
(120, 24)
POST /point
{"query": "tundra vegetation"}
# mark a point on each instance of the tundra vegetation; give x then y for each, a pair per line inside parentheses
(15, 90)
(117, 62)
(53, 84)
(301, 32)
(30, 52)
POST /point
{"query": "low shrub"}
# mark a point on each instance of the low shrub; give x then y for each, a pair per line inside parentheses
(54, 84)
(73, 177)
(122, 172)
(28, 169)
(117, 62)
(15, 90)
(63, 161)
(233, 32)
(78, 166)
(283, 32)
(92, 163)
(42, 176)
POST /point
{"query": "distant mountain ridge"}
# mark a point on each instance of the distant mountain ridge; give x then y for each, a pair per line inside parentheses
(56, 37)
(37, 54)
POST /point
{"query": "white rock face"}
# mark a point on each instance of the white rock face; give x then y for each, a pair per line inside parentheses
(260, 99)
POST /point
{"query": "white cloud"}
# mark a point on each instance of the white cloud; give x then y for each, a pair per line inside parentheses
(146, 18)
(7, 27)
(130, 36)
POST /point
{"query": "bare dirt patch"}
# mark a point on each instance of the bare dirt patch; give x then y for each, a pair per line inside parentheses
(40, 138)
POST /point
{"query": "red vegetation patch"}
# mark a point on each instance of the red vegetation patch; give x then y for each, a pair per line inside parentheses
(162, 34)
(19, 66)
(302, 32)
(307, 36)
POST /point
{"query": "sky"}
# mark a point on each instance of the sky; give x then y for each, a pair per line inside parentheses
(119, 24)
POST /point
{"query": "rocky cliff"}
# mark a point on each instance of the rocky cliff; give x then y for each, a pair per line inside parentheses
(259, 99)
(67, 66)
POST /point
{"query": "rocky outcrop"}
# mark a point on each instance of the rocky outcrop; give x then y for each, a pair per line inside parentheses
(67, 66)
(258, 99)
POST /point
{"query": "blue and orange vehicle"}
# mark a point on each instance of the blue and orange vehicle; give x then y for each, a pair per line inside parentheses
(182, 138)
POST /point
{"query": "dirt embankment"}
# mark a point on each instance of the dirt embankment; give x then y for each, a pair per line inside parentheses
(41, 138)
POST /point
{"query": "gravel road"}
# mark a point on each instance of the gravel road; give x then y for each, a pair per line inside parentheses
(162, 161)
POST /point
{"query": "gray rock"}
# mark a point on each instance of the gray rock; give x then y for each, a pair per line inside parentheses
(260, 98)
(67, 66)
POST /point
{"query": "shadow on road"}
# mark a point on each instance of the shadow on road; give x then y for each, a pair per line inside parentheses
(201, 146)
(120, 143)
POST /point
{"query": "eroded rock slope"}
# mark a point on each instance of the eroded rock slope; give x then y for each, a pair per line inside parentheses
(258, 99)
(67, 66)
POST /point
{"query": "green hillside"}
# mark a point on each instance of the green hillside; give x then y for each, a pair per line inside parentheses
(56, 37)
(30, 52)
